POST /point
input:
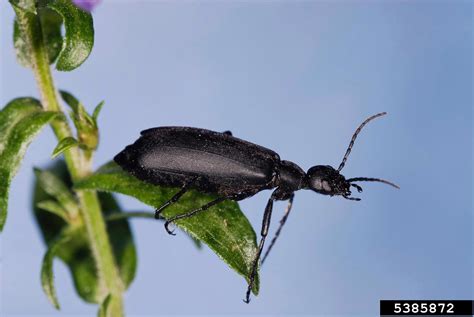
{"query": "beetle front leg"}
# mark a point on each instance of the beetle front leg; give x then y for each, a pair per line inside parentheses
(282, 223)
(265, 226)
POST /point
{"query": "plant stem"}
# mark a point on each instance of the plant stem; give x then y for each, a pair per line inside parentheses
(78, 164)
(130, 214)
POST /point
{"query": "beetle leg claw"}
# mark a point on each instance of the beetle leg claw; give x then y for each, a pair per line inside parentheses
(171, 232)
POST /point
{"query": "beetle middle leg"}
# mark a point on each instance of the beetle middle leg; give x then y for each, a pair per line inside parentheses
(175, 198)
(192, 213)
(265, 226)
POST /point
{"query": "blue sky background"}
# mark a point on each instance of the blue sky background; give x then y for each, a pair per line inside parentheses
(297, 77)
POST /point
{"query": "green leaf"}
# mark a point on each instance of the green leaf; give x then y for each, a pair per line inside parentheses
(79, 113)
(25, 5)
(197, 243)
(63, 145)
(224, 228)
(27, 37)
(97, 110)
(79, 37)
(56, 188)
(20, 121)
(51, 30)
(110, 305)
(51, 23)
(45, 20)
(70, 100)
(21, 47)
(87, 131)
(47, 275)
(104, 307)
(54, 208)
(76, 253)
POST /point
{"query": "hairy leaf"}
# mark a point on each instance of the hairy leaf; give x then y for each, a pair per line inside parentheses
(51, 23)
(25, 5)
(28, 36)
(47, 275)
(86, 126)
(44, 21)
(63, 145)
(224, 228)
(79, 37)
(20, 121)
(76, 253)
(22, 49)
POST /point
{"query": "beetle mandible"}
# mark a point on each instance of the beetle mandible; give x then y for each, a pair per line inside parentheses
(234, 169)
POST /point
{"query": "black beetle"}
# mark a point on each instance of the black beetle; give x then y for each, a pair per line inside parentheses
(218, 163)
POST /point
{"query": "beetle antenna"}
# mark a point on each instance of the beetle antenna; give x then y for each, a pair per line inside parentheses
(369, 179)
(354, 136)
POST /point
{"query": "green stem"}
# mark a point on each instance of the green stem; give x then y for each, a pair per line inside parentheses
(130, 214)
(78, 164)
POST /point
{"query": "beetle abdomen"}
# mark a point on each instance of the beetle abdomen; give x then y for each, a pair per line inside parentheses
(171, 155)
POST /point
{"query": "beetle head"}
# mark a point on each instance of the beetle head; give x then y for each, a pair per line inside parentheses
(326, 180)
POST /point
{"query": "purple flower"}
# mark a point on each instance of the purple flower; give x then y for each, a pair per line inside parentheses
(87, 5)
